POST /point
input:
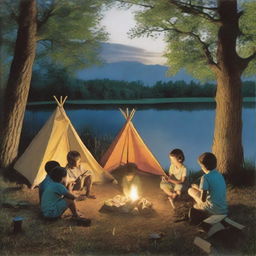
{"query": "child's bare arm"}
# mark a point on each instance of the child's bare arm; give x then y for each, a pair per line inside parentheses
(165, 177)
(70, 185)
(203, 195)
(70, 196)
(174, 181)
(73, 197)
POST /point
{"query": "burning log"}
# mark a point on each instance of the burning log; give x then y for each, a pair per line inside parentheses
(135, 211)
(122, 204)
(145, 207)
(129, 203)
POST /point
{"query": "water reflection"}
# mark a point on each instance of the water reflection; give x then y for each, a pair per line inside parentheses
(186, 126)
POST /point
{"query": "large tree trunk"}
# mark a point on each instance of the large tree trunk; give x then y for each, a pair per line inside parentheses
(19, 82)
(1, 76)
(227, 144)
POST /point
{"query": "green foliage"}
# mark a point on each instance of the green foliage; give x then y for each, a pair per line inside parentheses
(97, 144)
(247, 40)
(69, 32)
(194, 62)
(72, 32)
(191, 33)
(8, 31)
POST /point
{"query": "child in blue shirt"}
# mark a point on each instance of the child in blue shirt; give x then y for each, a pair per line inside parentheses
(210, 195)
(56, 198)
(49, 166)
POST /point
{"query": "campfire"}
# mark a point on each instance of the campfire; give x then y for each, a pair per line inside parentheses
(132, 203)
(133, 193)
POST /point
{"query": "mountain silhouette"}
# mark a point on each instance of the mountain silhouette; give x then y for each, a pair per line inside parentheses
(128, 63)
(132, 71)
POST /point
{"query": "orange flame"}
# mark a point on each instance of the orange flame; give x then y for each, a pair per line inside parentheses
(134, 193)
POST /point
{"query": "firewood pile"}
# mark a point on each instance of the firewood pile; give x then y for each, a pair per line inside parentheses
(123, 204)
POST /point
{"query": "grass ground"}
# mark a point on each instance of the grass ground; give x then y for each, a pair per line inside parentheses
(116, 234)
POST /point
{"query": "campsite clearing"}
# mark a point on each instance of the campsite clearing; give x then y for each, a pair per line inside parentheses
(120, 234)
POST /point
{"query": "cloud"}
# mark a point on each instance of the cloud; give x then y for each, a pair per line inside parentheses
(119, 52)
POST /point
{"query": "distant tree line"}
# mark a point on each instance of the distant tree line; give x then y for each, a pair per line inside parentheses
(58, 82)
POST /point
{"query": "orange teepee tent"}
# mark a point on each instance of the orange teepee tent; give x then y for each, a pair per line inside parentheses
(128, 147)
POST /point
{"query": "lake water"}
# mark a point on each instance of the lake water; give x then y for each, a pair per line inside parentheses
(162, 127)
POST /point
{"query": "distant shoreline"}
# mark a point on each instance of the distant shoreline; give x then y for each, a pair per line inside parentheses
(137, 101)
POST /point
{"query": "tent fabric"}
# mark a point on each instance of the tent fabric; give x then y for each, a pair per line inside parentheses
(56, 138)
(128, 147)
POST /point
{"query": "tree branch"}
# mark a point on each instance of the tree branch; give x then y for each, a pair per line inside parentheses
(184, 7)
(200, 7)
(240, 14)
(204, 46)
(133, 3)
(245, 61)
(45, 17)
(195, 9)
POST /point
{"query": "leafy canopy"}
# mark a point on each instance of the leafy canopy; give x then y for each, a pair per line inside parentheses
(69, 32)
(72, 33)
(191, 32)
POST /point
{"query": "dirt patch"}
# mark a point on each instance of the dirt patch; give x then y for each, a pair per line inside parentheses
(115, 233)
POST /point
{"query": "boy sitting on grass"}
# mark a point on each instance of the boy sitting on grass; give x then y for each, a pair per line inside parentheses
(56, 198)
(49, 166)
(78, 178)
(210, 195)
(173, 184)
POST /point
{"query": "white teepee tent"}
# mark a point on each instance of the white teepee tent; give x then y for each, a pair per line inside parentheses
(128, 147)
(56, 138)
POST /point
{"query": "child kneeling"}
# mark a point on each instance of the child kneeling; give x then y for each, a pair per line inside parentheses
(56, 199)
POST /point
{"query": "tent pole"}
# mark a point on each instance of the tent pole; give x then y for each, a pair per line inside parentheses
(64, 100)
(123, 113)
(127, 113)
(132, 114)
(57, 100)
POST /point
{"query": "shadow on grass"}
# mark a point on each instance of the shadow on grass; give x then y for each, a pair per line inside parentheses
(11, 175)
(232, 240)
(244, 177)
